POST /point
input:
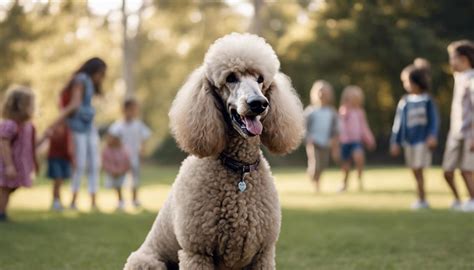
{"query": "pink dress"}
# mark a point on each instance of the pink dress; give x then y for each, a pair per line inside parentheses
(354, 127)
(115, 161)
(21, 139)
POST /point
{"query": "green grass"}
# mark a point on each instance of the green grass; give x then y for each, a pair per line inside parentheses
(373, 229)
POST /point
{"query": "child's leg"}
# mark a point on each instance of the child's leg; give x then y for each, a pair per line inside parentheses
(57, 183)
(316, 178)
(469, 180)
(310, 153)
(420, 183)
(4, 198)
(449, 177)
(346, 166)
(135, 174)
(359, 162)
(119, 193)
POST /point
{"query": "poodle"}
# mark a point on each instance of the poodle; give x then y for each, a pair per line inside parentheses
(223, 210)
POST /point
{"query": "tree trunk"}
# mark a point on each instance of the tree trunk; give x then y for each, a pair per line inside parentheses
(256, 24)
(128, 51)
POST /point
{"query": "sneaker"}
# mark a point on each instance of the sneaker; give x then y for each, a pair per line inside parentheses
(342, 189)
(121, 206)
(3, 217)
(456, 205)
(57, 206)
(468, 206)
(137, 203)
(418, 205)
(73, 207)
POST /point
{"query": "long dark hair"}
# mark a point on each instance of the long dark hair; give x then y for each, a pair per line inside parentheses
(90, 67)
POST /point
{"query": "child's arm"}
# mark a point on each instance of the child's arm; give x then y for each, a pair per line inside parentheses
(7, 157)
(433, 124)
(145, 135)
(367, 134)
(395, 138)
(471, 94)
(335, 138)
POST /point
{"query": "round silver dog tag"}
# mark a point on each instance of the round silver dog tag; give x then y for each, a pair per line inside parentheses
(242, 186)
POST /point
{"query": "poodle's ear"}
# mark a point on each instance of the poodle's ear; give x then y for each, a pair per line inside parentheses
(196, 123)
(283, 127)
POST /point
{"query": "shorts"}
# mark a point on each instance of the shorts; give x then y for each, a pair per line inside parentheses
(322, 156)
(417, 156)
(114, 182)
(59, 168)
(458, 155)
(348, 149)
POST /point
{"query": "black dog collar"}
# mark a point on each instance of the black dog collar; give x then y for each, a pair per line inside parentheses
(239, 167)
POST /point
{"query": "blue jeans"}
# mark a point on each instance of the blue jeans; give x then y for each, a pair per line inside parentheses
(86, 154)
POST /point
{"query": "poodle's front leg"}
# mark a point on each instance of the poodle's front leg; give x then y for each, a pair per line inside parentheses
(142, 260)
(193, 261)
(264, 260)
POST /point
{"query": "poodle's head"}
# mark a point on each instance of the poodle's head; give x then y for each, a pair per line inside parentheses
(238, 89)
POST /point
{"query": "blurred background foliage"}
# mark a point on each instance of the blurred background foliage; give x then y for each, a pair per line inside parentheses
(363, 42)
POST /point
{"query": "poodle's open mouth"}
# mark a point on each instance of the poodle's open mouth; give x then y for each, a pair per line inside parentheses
(248, 125)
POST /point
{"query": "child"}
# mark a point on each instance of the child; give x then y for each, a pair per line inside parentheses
(321, 128)
(416, 125)
(133, 133)
(459, 152)
(17, 144)
(354, 132)
(116, 163)
(60, 159)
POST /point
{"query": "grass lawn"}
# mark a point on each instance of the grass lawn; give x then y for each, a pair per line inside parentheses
(373, 229)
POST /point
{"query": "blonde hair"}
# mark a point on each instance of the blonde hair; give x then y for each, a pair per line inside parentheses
(350, 92)
(319, 86)
(16, 104)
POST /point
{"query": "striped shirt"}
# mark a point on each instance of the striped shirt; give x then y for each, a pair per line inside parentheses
(416, 119)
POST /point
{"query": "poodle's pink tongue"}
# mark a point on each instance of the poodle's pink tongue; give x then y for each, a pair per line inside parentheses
(253, 125)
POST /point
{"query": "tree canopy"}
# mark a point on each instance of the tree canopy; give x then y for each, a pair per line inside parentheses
(363, 42)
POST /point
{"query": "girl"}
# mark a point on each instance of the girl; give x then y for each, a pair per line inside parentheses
(60, 160)
(85, 83)
(416, 125)
(322, 131)
(116, 164)
(354, 133)
(17, 144)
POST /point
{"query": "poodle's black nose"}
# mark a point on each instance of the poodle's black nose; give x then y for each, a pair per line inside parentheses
(257, 104)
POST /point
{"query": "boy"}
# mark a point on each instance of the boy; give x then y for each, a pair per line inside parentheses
(322, 133)
(459, 151)
(133, 133)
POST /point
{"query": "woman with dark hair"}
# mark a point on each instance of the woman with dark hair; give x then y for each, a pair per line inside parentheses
(79, 114)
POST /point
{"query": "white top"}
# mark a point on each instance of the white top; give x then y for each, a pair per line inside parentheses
(132, 135)
(462, 108)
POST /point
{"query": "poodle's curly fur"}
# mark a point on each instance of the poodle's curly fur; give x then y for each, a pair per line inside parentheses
(206, 223)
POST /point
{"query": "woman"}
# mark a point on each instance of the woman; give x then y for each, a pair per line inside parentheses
(79, 113)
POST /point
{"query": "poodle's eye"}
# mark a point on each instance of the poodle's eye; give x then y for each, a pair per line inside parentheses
(232, 78)
(260, 79)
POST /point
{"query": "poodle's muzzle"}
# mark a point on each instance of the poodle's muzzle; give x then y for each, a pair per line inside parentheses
(247, 105)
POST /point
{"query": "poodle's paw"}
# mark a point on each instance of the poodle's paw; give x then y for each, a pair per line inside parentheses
(141, 261)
